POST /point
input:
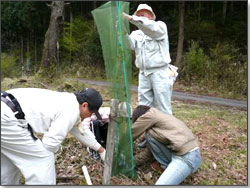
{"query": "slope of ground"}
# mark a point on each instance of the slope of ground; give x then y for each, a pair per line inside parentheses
(222, 136)
(221, 132)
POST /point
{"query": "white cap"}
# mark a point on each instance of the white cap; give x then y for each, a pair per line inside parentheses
(145, 7)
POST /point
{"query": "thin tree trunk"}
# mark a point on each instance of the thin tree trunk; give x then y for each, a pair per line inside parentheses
(35, 49)
(71, 22)
(175, 7)
(52, 34)
(199, 16)
(22, 51)
(212, 10)
(58, 51)
(27, 65)
(181, 33)
(224, 12)
(81, 3)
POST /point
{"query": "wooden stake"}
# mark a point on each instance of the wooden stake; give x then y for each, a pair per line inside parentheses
(110, 143)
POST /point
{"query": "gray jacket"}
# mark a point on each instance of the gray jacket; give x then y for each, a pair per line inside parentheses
(150, 44)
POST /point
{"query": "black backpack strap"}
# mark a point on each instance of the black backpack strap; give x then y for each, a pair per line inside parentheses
(20, 114)
(15, 107)
(4, 94)
(9, 104)
(31, 132)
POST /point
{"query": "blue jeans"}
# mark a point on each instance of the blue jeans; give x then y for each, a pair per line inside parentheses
(177, 168)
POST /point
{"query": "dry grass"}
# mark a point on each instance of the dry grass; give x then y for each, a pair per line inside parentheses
(221, 132)
(222, 135)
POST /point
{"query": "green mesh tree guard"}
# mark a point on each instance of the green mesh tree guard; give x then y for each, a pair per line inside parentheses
(112, 30)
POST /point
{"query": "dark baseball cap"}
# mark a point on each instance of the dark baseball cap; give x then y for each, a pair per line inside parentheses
(92, 97)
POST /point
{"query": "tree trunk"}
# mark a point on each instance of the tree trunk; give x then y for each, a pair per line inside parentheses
(81, 3)
(232, 6)
(35, 49)
(22, 55)
(199, 12)
(71, 24)
(181, 33)
(212, 10)
(224, 12)
(27, 65)
(52, 34)
(22, 50)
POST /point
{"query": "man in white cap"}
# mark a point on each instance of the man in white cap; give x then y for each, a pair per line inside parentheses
(151, 46)
(28, 110)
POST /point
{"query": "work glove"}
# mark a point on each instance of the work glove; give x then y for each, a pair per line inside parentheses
(126, 16)
(102, 155)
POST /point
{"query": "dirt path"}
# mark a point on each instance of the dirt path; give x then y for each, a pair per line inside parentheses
(185, 96)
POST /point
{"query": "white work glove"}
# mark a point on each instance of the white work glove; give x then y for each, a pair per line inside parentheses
(172, 74)
(126, 16)
(102, 155)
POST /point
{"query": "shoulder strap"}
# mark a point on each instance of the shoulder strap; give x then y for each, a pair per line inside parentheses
(20, 114)
(15, 107)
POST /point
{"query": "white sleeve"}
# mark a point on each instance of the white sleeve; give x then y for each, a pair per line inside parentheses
(155, 30)
(86, 137)
(54, 137)
(59, 129)
(131, 41)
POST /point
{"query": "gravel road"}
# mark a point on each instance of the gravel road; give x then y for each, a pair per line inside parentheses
(185, 96)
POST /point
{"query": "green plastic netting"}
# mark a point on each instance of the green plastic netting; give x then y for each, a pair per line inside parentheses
(112, 30)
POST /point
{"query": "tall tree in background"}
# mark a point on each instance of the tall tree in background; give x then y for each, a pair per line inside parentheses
(52, 34)
(224, 12)
(181, 33)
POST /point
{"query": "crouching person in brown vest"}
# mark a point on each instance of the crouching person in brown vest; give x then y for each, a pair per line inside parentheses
(170, 142)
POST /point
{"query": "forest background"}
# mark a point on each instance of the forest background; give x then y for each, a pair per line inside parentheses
(208, 42)
(55, 45)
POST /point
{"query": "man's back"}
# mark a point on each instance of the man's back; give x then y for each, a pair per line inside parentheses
(42, 106)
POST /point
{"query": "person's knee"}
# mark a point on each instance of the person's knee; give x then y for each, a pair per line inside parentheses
(151, 142)
(147, 137)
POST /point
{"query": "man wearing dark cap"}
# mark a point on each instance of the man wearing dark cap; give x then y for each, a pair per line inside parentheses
(93, 99)
(54, 114)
